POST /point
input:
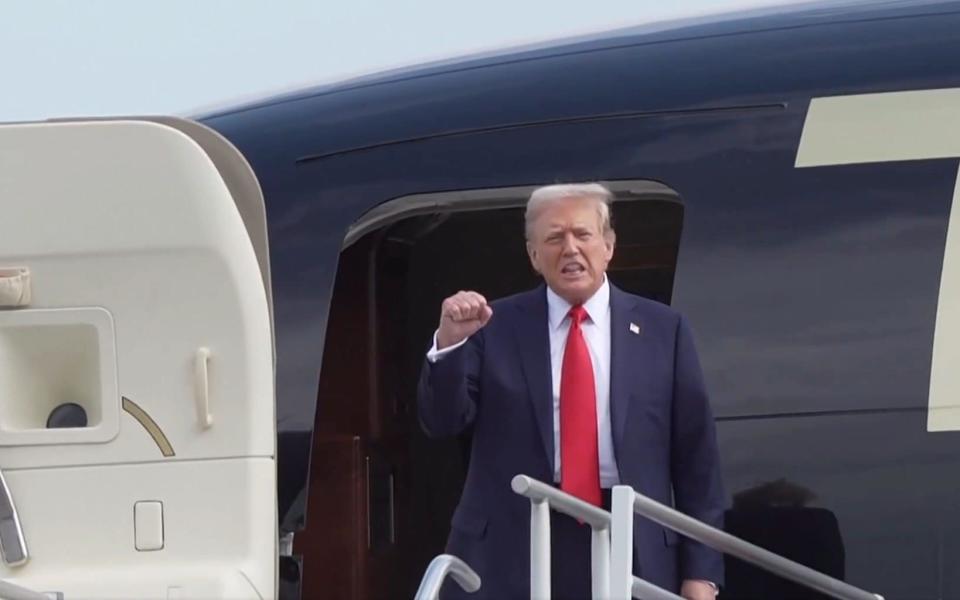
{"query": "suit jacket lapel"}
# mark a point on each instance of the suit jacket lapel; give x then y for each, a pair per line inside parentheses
(626, 361)
(533, 337)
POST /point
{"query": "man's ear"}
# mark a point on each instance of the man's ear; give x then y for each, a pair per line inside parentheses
(532, 254)
(610, 239)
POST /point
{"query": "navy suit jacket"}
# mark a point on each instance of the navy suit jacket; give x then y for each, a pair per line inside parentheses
(664, 438)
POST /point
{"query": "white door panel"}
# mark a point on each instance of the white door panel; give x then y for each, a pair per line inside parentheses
(132, 222)
(217, 526)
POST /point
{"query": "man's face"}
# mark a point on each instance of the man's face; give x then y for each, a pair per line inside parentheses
(567, 246)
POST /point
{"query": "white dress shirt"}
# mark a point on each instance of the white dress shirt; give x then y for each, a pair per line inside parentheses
(596, 333)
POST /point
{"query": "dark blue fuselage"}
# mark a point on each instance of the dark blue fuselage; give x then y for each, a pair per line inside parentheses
(813, 292)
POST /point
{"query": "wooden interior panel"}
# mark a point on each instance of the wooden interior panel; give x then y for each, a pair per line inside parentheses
(334, 544)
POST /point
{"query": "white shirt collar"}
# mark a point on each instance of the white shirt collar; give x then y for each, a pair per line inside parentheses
(596, 306)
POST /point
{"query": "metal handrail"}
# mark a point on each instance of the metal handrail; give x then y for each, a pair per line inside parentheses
(13, 546)
(12, 591)
(561, 501)
(730, 544)
(672, 519)
(644, 590)
(544, 497)
(436, 574)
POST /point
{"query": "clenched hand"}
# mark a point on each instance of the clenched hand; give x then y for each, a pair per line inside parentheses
(461, 315)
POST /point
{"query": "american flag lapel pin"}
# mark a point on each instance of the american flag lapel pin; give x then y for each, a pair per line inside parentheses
(634, 328)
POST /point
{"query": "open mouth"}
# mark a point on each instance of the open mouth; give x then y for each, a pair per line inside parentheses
(573, 270)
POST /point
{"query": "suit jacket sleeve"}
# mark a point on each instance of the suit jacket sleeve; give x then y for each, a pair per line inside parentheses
(695, 463)
(449, 389)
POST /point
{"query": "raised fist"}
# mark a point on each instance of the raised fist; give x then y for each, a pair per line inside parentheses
(461, 315)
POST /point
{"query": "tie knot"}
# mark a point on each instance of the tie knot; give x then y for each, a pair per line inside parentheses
(577, 314)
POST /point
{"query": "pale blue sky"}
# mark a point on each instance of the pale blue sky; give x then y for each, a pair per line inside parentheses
(62, 58)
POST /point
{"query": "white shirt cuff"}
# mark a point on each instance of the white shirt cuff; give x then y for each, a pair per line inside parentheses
(433, 355)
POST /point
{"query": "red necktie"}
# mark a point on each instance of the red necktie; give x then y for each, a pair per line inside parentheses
(579, 456)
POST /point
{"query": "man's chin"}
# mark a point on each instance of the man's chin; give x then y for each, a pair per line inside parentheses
(576, 292)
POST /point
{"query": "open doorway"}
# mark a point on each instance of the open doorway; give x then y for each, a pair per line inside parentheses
(381, 492)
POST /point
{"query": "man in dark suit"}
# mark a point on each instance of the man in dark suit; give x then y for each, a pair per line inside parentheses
(580, 384)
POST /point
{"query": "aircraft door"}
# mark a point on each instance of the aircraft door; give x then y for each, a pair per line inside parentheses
(137, 421)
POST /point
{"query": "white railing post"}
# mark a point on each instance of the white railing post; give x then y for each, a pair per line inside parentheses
(600, 562)
(545, 498)
(539, 549)
(621, 540)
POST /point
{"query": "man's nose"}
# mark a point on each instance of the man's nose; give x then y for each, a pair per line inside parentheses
(570, 245)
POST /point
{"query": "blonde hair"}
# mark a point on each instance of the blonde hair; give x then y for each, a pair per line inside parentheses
(562, 191)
